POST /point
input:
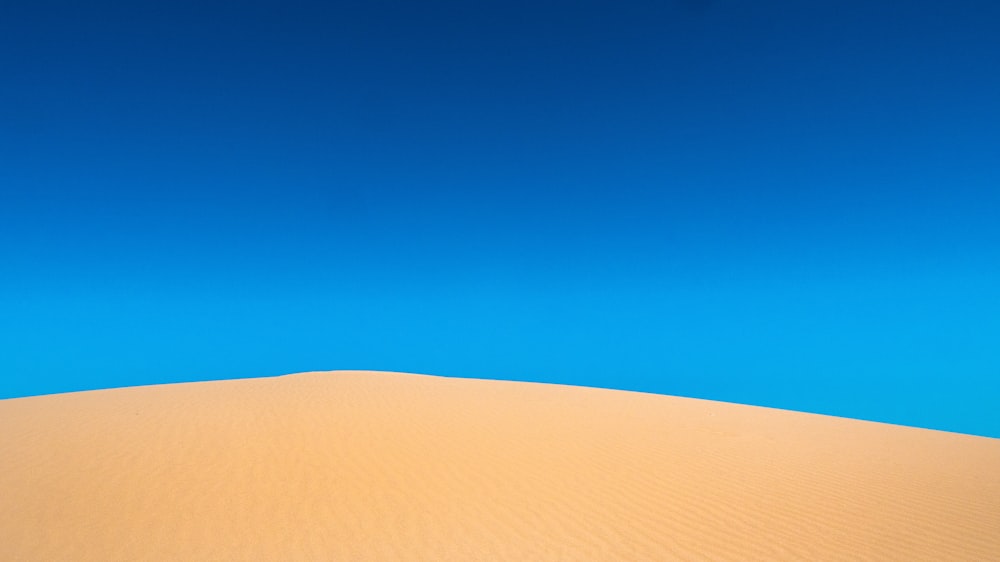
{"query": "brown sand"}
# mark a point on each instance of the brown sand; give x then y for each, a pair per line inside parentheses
(351, 465)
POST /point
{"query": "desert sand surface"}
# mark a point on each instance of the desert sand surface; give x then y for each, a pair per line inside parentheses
(360, 465)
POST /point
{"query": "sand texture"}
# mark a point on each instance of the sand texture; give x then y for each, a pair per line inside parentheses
(356, 465)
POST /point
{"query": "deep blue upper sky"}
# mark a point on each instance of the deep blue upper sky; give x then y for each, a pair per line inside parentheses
(786, 203)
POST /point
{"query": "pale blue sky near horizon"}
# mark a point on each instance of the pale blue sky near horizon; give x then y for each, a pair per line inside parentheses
(779, 203)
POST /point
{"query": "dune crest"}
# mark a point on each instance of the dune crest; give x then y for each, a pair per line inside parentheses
(358, 465)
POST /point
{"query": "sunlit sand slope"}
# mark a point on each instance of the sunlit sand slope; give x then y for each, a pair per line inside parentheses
(351, 465)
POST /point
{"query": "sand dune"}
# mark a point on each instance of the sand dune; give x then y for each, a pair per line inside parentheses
(351, 465)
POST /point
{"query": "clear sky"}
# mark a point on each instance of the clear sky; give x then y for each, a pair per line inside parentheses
(786, 203)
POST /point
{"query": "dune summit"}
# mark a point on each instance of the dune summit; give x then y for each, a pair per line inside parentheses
(354, 465)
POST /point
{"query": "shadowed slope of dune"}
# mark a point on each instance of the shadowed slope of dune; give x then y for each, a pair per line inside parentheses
(352, 465)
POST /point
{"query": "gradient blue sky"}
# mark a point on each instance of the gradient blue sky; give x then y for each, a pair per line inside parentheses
(785, 203)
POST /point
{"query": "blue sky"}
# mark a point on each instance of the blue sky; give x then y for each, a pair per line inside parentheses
(790, 204)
